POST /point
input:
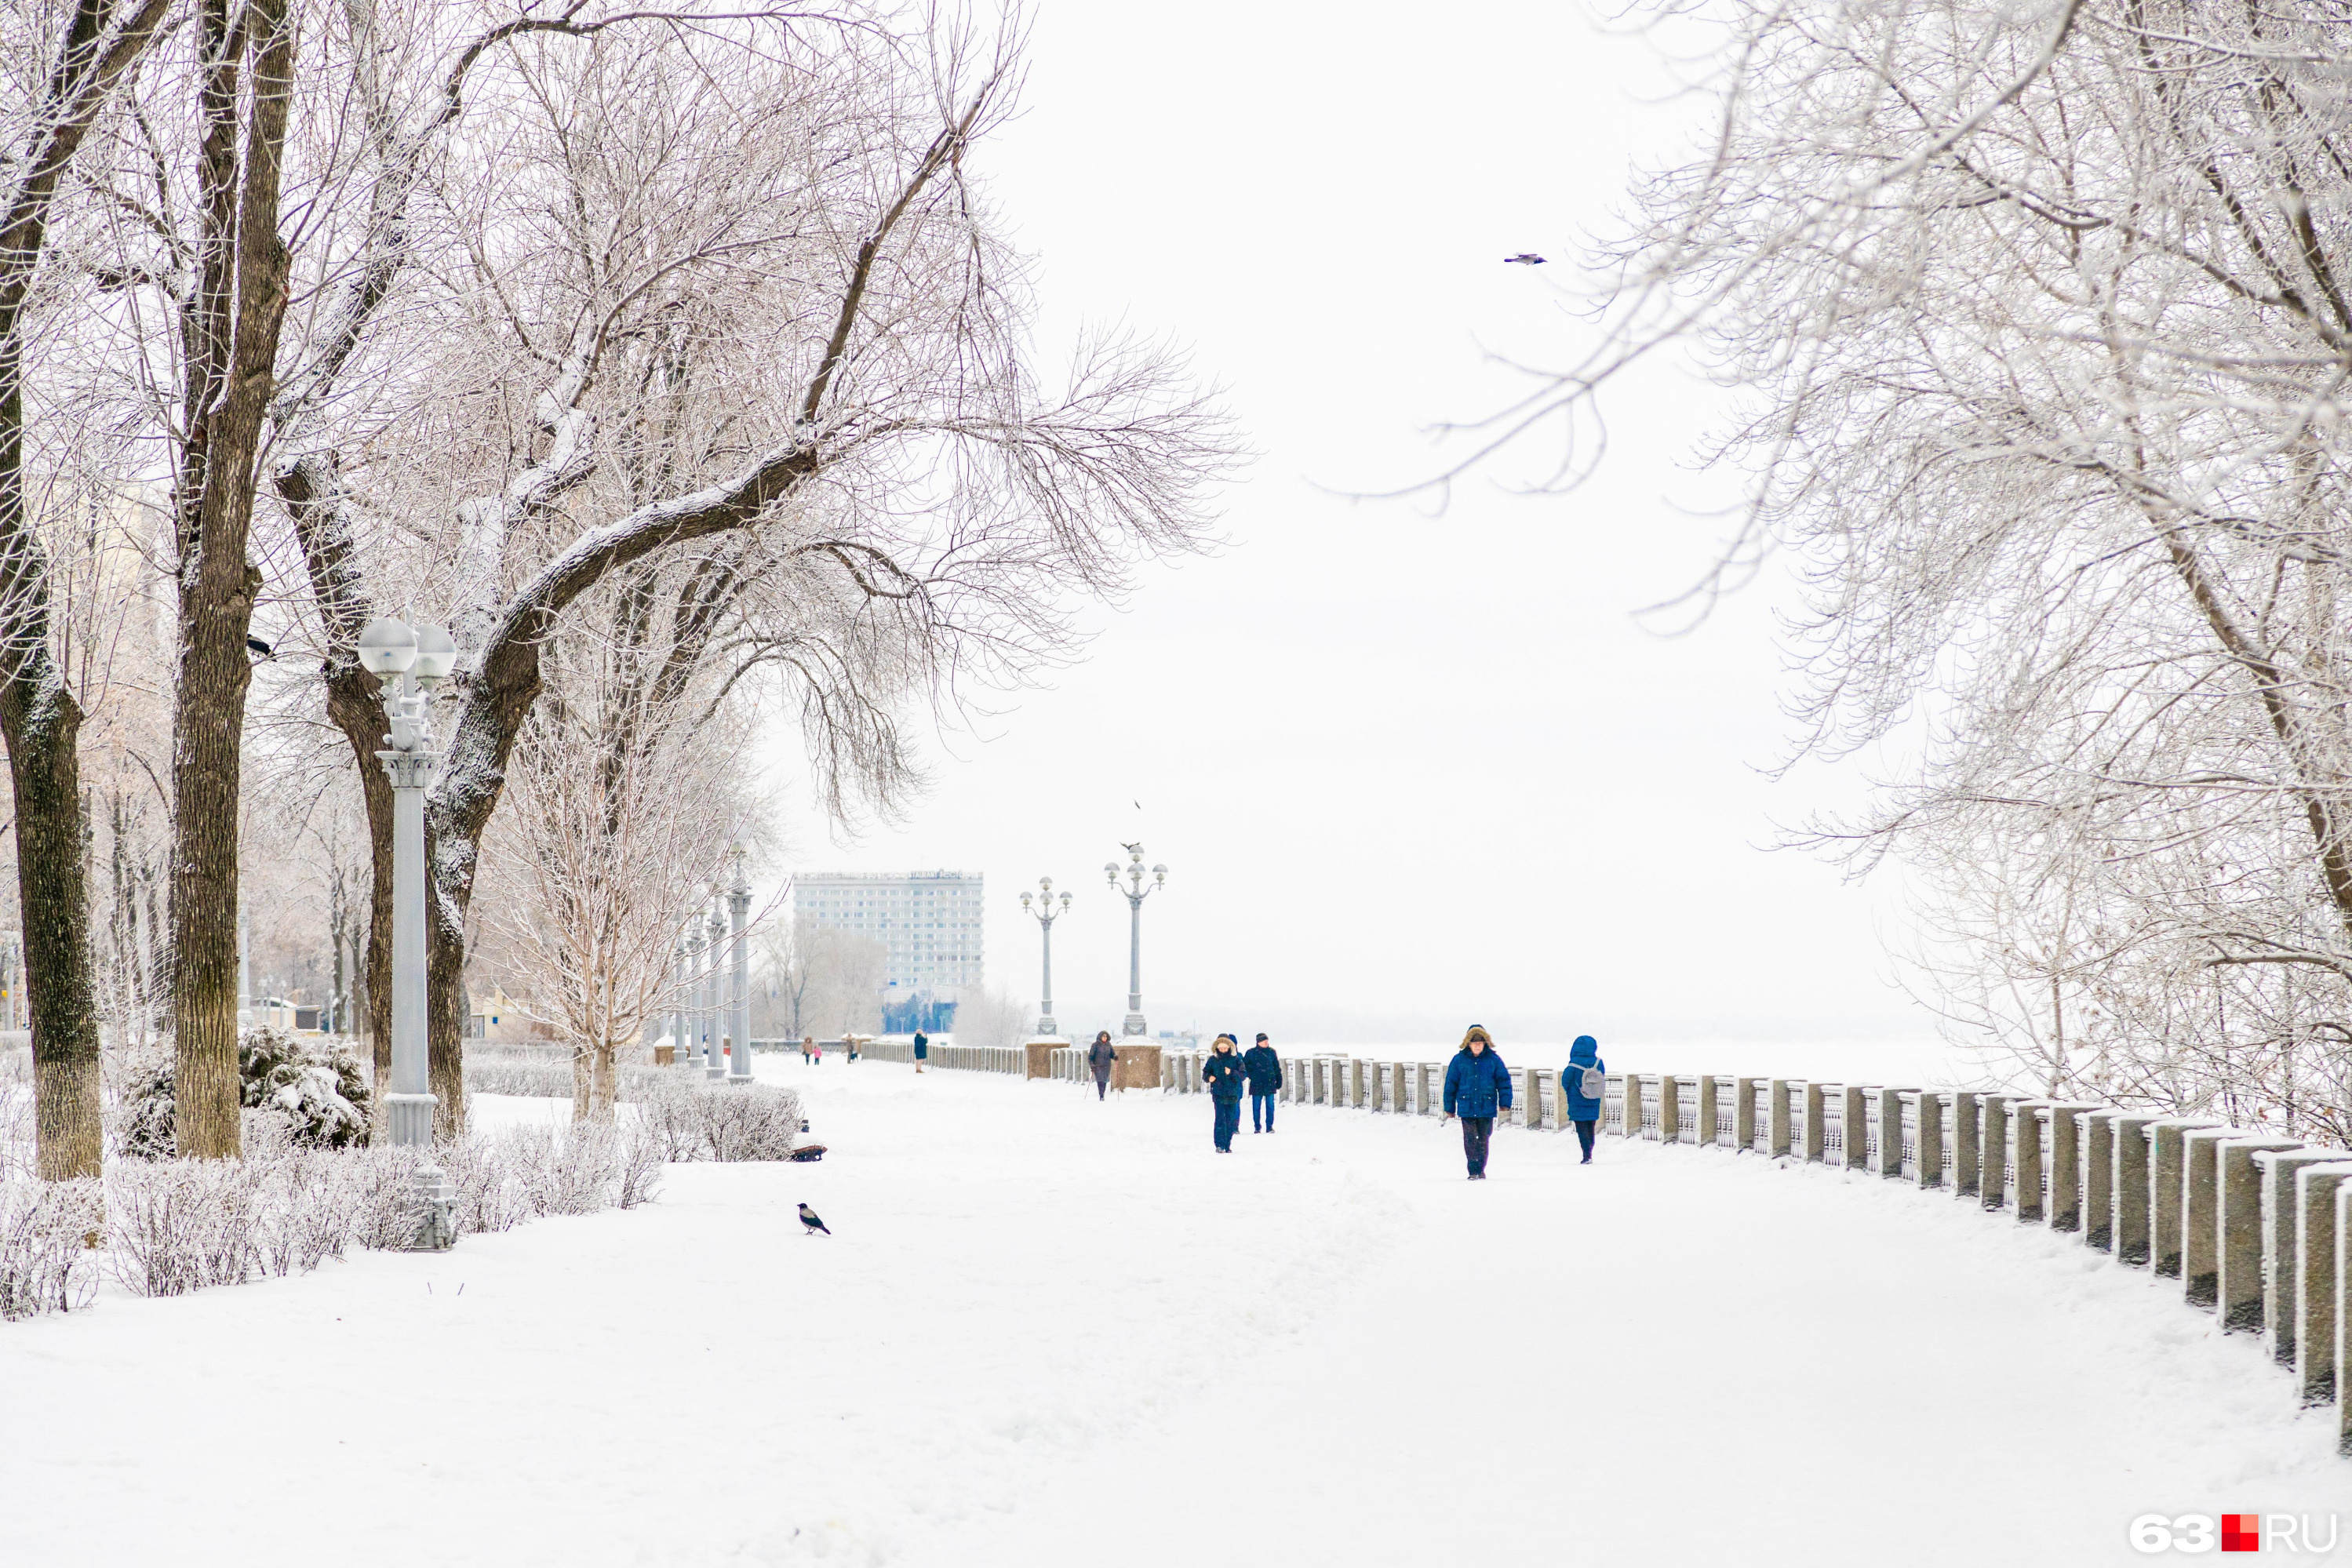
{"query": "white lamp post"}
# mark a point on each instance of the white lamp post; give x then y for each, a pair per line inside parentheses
(738, 914)
(1046, 915)
(420, 656)
(693, 991)
(1135, 892)
(714, 1066)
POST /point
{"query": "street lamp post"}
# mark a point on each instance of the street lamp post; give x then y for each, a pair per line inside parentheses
(1046, 915)
(693, 991)
(420, 656)
(714, 1066)
(1135, 892)
(739, 917)
(680, 1052)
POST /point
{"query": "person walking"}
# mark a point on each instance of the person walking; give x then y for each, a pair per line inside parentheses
(1102, 1055)
(808, 1044)
(1585, 1071)
(816, 1052)
(922, 1050)
(1478, 1085)
(1264, 1071)
(1223, 1074)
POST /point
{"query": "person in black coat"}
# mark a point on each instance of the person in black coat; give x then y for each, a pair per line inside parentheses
(1101, 1056)
(1222, 1076)
(1264, 1071)
(922, 1050)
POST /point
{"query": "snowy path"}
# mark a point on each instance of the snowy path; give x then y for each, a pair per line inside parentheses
(1055, 1335)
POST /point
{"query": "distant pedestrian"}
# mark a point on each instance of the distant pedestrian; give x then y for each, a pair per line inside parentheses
(816, 1052)
(1223, 1074)
(808, 1048)
(1478, 1085)
(1102, 1056)
(1264, 1070)
(1583, 1083)
(922, 1050)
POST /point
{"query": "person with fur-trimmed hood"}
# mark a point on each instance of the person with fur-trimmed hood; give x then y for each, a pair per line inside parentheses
(1477, 1088)
(1102, 1056)
(1222, 1076)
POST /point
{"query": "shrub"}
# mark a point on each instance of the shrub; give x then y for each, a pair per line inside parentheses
(699, 1120)
(318, 1091)
(46, 1262)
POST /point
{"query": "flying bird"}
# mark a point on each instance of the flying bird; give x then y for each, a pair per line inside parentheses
(1132, 849)
(810, 1223)
(1525, 259)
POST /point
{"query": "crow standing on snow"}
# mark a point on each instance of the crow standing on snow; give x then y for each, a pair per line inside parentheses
(1525, 259)
(810, 1223)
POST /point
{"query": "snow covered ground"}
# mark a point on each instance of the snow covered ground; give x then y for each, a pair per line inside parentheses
(1056, 1334)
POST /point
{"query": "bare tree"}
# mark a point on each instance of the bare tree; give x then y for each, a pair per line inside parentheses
(86, 52)
(2038, 319)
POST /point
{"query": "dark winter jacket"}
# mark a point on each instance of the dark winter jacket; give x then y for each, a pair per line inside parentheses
(1475, 1085)
(1584, 1053)
(922, 1049)
(1222, 1074)
(1100, 1055)
(1265, 1069)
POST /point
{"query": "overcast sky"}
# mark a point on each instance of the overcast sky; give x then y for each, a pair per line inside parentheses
(1407, 769)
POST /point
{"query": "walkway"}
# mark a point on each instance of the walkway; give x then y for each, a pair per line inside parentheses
(1053, 1334)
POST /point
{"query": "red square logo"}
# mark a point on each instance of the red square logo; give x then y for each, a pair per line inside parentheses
(2241, 1533)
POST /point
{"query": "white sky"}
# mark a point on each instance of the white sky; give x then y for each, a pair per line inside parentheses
(1408, 771)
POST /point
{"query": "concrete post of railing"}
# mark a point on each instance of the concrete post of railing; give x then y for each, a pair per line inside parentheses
(1813, 1132)
(2099, 1180)
(1853, 1124)
(1968, 1145)
(2238, 1287)
(1670, 1108)
(1706, 1109)
(1992, 1149)
(1533, 1116)
(2200, 1216)
(2132, 1189)
(2168, 1170)
(2025, 1158)
(1775, 1119)
(1929, 1151)
(2343, 1312)
(2280, 1241)
(1888, 1110)
(2066, 1170)
(1743, 1113)
(2315, 1283)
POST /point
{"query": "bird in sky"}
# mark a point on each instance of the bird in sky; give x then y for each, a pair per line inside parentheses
(1525, 259)
(810, 1223)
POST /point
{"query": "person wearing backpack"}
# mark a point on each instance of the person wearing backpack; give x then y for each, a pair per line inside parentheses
(1585, 1082)
(1477, 1088)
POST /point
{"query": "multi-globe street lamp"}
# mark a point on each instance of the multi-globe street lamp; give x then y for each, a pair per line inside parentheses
(1135, 892)
(1046, 915)
(421, 657)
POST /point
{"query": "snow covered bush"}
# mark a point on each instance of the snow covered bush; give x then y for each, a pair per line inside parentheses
(176, 1226)
(46, 1262)
(705, 1120)
(544, 1073)
(16, 1141)
(318, 1092)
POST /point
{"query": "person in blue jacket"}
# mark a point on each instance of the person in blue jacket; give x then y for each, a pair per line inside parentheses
(1222, 1076)
(1477, 1086)
(1584, 1109)
(1264, 1070)
(922, 1050)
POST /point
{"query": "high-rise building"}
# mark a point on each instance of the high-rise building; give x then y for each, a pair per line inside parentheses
(929, 923)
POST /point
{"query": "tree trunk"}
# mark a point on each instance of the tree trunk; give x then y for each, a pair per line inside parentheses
(42, 724)
(583, 1085)
(231, 329)
(603, 1091)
